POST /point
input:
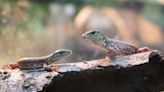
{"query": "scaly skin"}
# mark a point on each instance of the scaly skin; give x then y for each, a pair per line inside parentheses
(115, 48)
(39, 62)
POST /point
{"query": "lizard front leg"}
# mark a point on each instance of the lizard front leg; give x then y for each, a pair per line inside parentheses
(50, 68)
(113, 54)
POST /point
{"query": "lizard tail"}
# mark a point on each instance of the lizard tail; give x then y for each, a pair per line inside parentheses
(11, 66)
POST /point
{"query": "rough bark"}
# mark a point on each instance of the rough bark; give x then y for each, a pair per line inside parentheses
(143, 72)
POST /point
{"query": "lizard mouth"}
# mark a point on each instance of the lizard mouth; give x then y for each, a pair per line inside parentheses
(87, 34)
(84, 35)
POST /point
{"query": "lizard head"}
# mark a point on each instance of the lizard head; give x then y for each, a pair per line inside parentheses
(95, 36)
(61, 53)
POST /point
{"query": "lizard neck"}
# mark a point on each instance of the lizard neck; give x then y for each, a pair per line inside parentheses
(102, 42)
(52, 59)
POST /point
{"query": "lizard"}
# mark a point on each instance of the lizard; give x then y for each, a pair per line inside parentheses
(114, 48)
(30, 63)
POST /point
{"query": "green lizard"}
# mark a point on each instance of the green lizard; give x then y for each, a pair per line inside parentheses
(39, 62)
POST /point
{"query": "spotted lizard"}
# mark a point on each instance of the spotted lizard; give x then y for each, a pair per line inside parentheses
(31, 63)
(115, 48)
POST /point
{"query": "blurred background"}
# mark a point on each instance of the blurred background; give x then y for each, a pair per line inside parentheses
(39, 27)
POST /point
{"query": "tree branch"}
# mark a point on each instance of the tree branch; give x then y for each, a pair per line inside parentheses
(143, 72)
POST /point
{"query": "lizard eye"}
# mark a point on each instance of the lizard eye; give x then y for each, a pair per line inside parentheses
(93, 33)
(61, 52)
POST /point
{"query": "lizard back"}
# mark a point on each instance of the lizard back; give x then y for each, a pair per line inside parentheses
(121, 47)
(32, 62)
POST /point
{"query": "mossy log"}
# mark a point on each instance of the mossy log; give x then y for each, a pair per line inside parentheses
(143, 72)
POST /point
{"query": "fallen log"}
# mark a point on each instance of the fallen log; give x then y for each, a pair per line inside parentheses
(143, 72)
